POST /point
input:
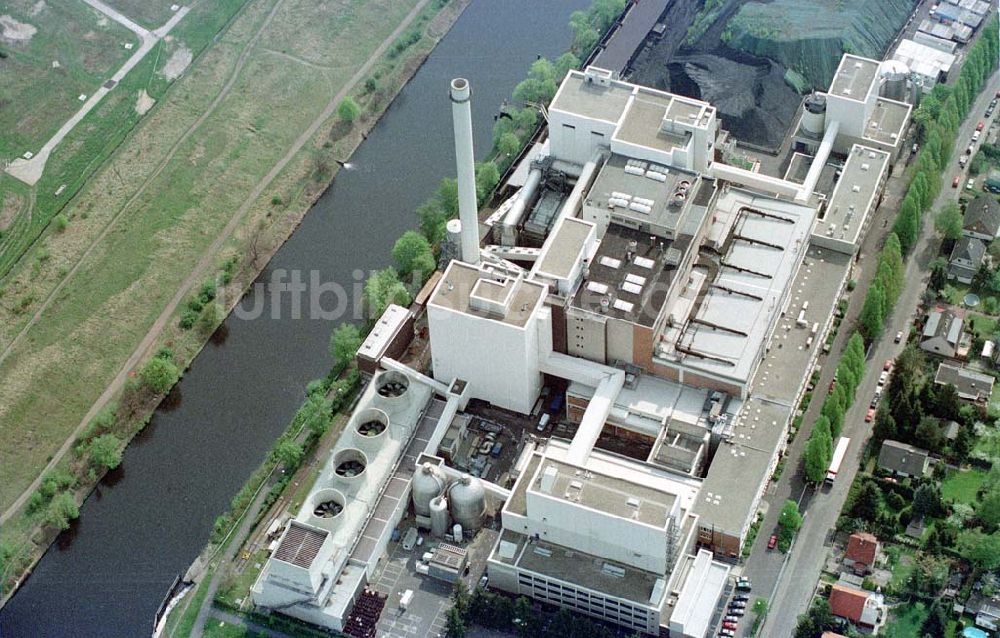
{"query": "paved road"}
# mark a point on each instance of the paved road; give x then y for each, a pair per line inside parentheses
(805, 561)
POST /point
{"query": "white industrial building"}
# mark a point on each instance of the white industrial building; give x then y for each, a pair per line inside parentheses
(928, 62)
(671, 292)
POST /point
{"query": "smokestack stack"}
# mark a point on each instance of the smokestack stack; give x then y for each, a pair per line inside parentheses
(461, 113)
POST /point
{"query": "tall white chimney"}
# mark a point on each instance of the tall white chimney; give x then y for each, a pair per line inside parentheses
(461, 113)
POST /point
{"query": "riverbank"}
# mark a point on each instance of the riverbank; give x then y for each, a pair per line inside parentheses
(254, 234)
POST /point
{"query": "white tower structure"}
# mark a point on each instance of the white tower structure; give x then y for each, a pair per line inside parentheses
(461, 112)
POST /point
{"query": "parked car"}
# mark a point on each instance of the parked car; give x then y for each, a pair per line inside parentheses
(883, 377)
(899, 337)
(735, 605)
(727, 633)
(955, 181)
(980, 126)
(729, 625)
(741, 598)
(736, 612)
(874, 401)
(887, 366)
(772, 542)
(976, 135)
(969, 185)
(870, 415)
(484, 581)
(732, 618)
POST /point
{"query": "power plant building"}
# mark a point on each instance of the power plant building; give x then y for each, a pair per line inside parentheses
(683, 302)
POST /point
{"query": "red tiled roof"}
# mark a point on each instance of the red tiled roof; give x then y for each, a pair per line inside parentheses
(847, 602)
(861, 548)
(830, 634)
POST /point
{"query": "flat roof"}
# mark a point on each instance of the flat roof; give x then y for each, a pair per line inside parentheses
(563, 251)
(740, 467)
(854, 77)
(590, 99)
(385, 329)
(727, 326)
(636, 287)
(854, 195)
(461, 282)
(605, 493)
(644, 118)
(700, 595)
(580, 569)
(887, 122)
(665, 214)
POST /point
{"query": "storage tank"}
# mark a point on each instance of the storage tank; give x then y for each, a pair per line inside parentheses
(451, 247)
(893, 74)
(814, 114)
(428, 483)
(439, 516)
(456, 533)
(468, 502)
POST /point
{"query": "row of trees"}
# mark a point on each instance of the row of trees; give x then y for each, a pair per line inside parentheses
(884, 290)
(938, 119)
(819, 449)
(589, 26)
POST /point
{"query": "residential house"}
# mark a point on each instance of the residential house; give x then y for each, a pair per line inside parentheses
(966, 258)
(950, 429)
(986, 609)
(902, 459)
(864, 609)
(982, 219)
(971, 386)
(862, 548)
(942, 332)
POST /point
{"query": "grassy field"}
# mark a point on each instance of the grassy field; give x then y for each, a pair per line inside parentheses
(148, 13)
(961, 487)
(36, 96)
(905, 621)
(168, 217)
(99, 134)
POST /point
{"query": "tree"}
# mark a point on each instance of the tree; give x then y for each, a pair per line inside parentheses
(384, 288)
(61, 510)
(789, 522)
(525, 620)
(927, 501)
(981, 280)
(412, 253)
(344, 344)
(454, 626)
(981, 550)
(928, 434)
(989, 509)
(314, 415)
(948, 221)
(105, 451)
(508, 145)
(939, 273)
(815, 460)
(487, 178)
(159, 374)
(872, 315)
(867, 502)
(564, 64)
(348, 110)
(289, 454)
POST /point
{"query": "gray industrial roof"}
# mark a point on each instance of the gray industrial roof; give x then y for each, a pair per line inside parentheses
(665, 215)
(564, 249)
(611, 269)
(645, 117)
(459, 284)
(727, 328)
(590, 99)
(580, 569)
(854, 196)
(605, 493)
(887, 121)
(854, 77)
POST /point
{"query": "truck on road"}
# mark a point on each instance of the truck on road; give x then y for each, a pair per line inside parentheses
(839, 453)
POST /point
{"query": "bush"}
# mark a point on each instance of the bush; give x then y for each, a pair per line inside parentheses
(159, 374)
(348, 110)
(105, 451)
(61, 222)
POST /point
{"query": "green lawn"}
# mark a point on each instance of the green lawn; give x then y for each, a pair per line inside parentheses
(905, 621)
(981, 325)
(961, 487)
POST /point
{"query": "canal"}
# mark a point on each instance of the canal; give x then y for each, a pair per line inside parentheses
(148, 520)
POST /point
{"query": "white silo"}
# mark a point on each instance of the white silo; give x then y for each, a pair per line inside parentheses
(451, 247)
(814, 114)
(468, 502)
(894, 74)
(428, 483)
(439, 516)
